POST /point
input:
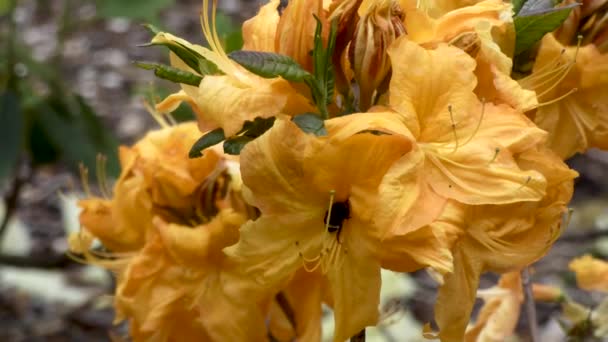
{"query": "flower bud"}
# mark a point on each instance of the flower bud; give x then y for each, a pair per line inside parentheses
(380, 23)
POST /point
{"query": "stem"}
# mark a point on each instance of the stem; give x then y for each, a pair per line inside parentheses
(530, 304)
(360, 337)
(11, 198)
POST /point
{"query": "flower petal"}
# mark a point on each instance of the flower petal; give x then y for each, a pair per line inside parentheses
(259, 32)
(355, 286)
(438, 80)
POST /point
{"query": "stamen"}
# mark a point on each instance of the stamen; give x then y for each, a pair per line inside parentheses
(101, 175)
(453, 128)
(496, 152)
(332, 194)
(557, 99)
(84, 179)
(481, 116)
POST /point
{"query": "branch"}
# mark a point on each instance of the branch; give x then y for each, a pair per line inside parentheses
(530, 305)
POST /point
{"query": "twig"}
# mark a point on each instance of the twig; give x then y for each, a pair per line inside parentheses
(11, 198)
(287, 309)
(530, 304)
(360, 337)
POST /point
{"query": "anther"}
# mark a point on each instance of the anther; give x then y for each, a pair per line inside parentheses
(453, 128)
(84, 179)
(496, 153)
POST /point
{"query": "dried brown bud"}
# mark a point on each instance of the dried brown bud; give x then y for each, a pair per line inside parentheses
(380, 23)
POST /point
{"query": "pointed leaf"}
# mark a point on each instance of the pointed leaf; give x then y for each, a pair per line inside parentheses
(258, 126)
(529, 29)
(270, 65)
(172, 74)
(310, 123)
(234, 145)
(211, 138)
(517, 6)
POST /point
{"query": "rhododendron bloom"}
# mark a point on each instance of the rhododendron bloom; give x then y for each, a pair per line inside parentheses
(464, 149)
(228, 100)
(571, 83)
(591, 273)
(321, 211)
(502, 238)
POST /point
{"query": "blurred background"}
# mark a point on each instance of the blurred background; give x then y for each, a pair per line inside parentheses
(69, 91)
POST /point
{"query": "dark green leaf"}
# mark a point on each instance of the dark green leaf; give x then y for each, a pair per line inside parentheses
(322, 86)
(76, 132)
(189, 56)
(235, 144)
(211, 138)
(517, 5)
(310, 123)
(172, 74)
(270, 65)
(11, 131)
(257, 127)
(529, 29)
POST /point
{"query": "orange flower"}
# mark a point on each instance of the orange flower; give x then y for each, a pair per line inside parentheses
(502, 238)
(228, 100)
(322, 209)
(571, 84)
(591, 273)
(178, 287)
(464, 149)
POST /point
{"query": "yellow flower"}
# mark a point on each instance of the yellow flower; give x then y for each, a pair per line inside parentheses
(178, 287)
(296, 30)
(571, 84)
(464, 149)
(228, 100)
(502, 238)
(500, 312)
(322, 210)
(259, 32)
(485, 31)
(591, 273)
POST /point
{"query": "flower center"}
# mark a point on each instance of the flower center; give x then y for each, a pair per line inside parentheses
(331, 253)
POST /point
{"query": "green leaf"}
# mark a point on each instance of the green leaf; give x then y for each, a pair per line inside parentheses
(172, 74)
(517, 5)
(11, 129)
(235, 144)
(76, 132)
(310, 123)
(189, 56)
(136, 9)
(322, 86)
(270, 65)
(211, 138)
(257, 127)
(531, 27)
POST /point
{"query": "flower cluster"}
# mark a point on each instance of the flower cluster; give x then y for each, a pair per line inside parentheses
(371, 134)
